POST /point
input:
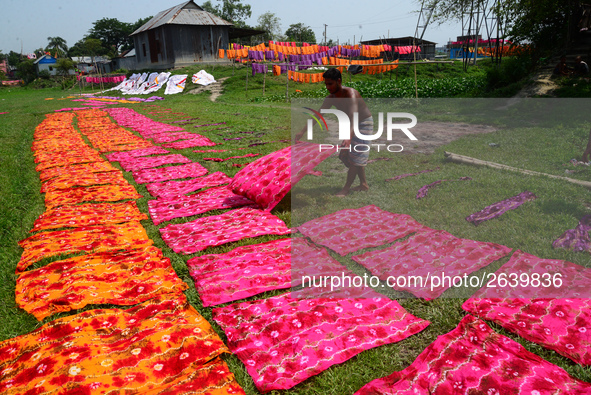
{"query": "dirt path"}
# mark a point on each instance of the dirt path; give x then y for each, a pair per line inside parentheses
(215, 89)
(542, 85)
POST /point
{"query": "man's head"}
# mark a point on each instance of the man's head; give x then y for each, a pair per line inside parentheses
(578, 59)
(332, 80)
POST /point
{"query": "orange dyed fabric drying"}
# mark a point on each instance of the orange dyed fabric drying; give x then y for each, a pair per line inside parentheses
(85, 239)
(69, 158)
(65, 182)
(88, 215)
(115, 277)
(162, 346)
(77, 170)
(99, 193)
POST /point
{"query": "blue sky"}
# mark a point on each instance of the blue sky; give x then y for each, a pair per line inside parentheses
(30, 22)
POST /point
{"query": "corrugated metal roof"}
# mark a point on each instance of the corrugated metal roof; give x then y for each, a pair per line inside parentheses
(187, 13)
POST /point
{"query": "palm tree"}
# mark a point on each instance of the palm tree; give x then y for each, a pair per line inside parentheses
(57, 45)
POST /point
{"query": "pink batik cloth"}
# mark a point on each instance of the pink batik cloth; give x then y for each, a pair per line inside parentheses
(200, 151)
(215, 230)
(305, 157)
(173, 188)
(216, 198)
(231, 157)
(169, 173)
(145, 126)
(242, 272)
(283, 341)
(170, 137)
(556, 317)
(429, 255)
(196, 141)
(116, 156)
(473, 359)
(134, 164)
(350, 230)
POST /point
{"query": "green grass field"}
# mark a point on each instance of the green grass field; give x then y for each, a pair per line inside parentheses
(546, 147)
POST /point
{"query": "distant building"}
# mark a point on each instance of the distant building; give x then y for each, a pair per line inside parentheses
(48, 63)
(427, 48)
(85, 64)
(127, 60)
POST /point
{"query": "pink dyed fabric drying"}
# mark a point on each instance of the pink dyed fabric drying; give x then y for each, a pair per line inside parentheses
(231, 157)
(170, 137)
(401, 176)
(200, 151)
(117, 156)
(284, 341)
(242, 272)
(133, 164)
(473, 359)
(215, 230)
(350, 230)
(197, 141)
(305, 157)
(145, 126)
(174, 188)
(169, 173)
(217, 198)
(500, 208)
(430, 255)
(576, 239)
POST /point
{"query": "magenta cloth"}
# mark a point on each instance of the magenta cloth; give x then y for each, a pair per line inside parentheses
(428, 255)
(231, 157)
(145, 126)
(576, 239)
(473, 359)
(401, 176)
(199, 151)
(197, 141)
(498, 209)
(350, 230)
(169, 173)
(124, 155)
(242, 272)
(283, 341)
(305, 157)
(216, 198)
(133, 164)
(215, 230)
(174, 188)
(170, 137)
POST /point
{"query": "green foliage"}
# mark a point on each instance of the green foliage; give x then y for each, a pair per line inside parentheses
(300, 33)
(57, 46)
(64, 66)
(121, 71)
(14, 58)
(112, 33)
(44, 74)
(271, 24)
(510, 71)
(26, 71)
(230, 10)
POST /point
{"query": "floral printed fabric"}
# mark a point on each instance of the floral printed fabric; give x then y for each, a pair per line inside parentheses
(576, 239)
(114, 277)
(557, 316)
(215, 230)
(430, 254)
(170, 137)
(174, 188)
(350, 230)
(72, 158)
(87, 215)
(134, 164)
(196, 141)
(473, 359)
(89, 179)
(162, 210)
(283, 341)
(85, 239)
(305, 157)
(116, 156)
(145, 126)
(231, 157)
(500, 208)
(100, 193)
(242, 272)
(159, 347)
(169, 173)
(75, 171)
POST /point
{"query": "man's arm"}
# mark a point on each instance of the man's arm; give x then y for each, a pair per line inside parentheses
(325, 105)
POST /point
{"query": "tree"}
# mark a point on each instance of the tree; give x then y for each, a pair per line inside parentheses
(26, 71)
(230, 10)
(112, 32)
(63, 66)
(57, 46)
(270, 23)
(14, 58)
(301, 33)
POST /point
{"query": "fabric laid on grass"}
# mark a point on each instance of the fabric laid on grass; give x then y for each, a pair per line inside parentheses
(283, 341)
(116, 156)
(196, 141)
(200, 151)
(170, 137)
(215, 230)
(99, 193)
(216, 198)
(231, 157)
(242, 272)
(500, 208)
(176, 84)
(158, 347)
(134, 164)
(71, 158)
(349, 230)
(473, 359)
(425, 188)
(85, 239)
(145, 126)
(556, 315)
(429, 255)
(88, 215)
(113, 277)
(88, 179)
(169, 173)
(75, 171)
(174, 188)
(576, 239)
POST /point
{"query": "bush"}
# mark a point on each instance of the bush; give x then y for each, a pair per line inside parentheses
(121, 71)
(44, 74)
(26, 71)
(510, 71)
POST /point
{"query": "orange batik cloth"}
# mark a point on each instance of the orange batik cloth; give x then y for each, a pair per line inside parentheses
(77, 170)
(99, 193)
(68, 158)
(114, 277)
(86, 239)
(88, 215)
(65, 182)
(161, 346)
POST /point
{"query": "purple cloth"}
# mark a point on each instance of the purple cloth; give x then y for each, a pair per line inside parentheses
(576, 239)
(424, 189)
(500, 208)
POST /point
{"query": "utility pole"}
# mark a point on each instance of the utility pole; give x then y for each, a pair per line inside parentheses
(325, 33)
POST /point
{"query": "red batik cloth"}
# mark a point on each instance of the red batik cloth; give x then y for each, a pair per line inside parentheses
(161, 346)
(430, 255)
(283, 341)
(85, 239)
(350, 230)
(215, 230)
(473, 359)
(196, 141)
(75, 171)
(179, 206)
(89, 179)
(116, 156)
(500, 208)
(242, 272)
(556, 317)
(113, 277)
(88, 215)
(133, 164)
(169, 173)
(173, 188)
(99, 193)
(231, 157)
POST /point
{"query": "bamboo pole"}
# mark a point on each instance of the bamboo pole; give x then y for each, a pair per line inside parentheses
(473, 161)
